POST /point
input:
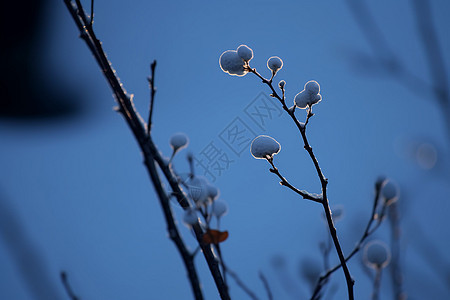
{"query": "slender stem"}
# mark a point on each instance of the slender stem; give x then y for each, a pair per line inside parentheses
(395, 266)
(266, 285)
(67, 286)
(367, 232)
(323, 180)
(151, 82)
(242, 285)
(172, 228)
(148, 148)
(284, 182)
(92, 13)
(376, 284)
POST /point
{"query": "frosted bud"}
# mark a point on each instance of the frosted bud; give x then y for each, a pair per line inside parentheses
(245, 52)
(190, 216)
(390, 192)
(281, 84)
(232, 63)
(274, 63)
(376, 255)
(219, 208)
(308, 96)
(179, 141)
(212, 191)
(198, 189)
(263, 146)
(312, 87)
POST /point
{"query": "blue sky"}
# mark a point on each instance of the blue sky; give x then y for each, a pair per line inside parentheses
(82, 198)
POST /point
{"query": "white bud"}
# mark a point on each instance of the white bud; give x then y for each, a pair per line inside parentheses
(376, 254)
(281, 84)
(312, 87)
(308, 96)
(219, 208)
(198, 190)
(179, 141)
(390, 192)
(274, 63)
(190, 216)
(245, 52)
(212, 191)
(232, 63)
(263, 146)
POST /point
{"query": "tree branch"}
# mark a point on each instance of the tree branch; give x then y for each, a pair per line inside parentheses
(284, 182)
(367, 232)
(151, 82)
(148, 148)
(324, 182)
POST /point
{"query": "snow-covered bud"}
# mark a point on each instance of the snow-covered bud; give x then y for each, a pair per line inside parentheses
(390, 192)
(212, 192)
(274, 63)
(376, 254)
(281, 84)
(198, 190)
(219, 208)
(179, 141)
(190, 217)
(264, 146)
(245, 52)
(232, 63)
(308, 96)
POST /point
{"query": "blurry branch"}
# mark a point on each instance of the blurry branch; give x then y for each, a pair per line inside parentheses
(151, 155)
(393, 65)
(25, 253)
(433, 52)
(395, 267)
(67, 286)
(376, 284)
(367, 232)
(432, 255)
(324, 181)
(266, 285)
(242, 285)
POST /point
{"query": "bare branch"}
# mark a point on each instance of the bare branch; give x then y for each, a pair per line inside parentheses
(148, 148)
(367, 232)
(266, 285)
(324, 182)
(151, 82)
(284, 182)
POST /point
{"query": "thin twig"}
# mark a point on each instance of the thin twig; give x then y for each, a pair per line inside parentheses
(92, 12)
(242, 285)
(67, 286)
(367, 232)
(324, 181)
(284, 182)
(148, 148)
(266, 285)
(151, 82)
